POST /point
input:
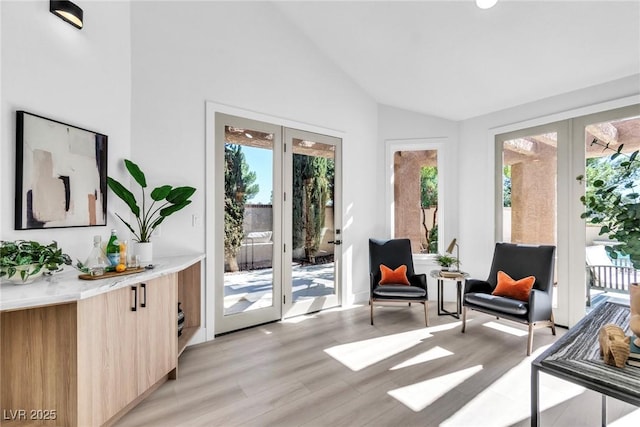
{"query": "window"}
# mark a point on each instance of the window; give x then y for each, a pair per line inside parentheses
(415, 193)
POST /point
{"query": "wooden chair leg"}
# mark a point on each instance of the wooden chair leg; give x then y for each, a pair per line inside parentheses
(371, 307)
(530, 340)
(553, 324)
(426, 313)
(464, 318)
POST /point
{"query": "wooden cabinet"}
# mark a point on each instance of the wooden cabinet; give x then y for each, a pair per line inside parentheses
(157, 327)
(127, 341)
(92, 360)
(107, 348)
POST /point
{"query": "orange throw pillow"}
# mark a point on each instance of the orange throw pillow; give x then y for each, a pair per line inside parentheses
(516, 289)
(394, 277)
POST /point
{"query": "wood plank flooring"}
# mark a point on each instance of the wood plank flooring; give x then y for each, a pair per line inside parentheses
(334, 369)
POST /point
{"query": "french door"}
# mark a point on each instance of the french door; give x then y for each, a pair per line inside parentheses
(532, 197)
(538, 191)
(277, 208)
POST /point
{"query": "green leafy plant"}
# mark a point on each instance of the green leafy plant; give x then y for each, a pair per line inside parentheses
(614, 204)
(446, 260)
(28, 258)
(165, 200)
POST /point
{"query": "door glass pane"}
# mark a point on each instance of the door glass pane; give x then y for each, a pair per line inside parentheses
(415, 196)
(248, 220)
(313, 267)
(529, 189)
(609, 271)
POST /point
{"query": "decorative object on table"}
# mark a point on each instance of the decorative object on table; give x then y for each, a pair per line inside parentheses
(23, 261)
(634, 306)
(451, 274)
(108, 274)
(97, 262)
(61, 174)
(113, 251)
(446, 261)
(634, 353)
(614, 345)
(150, 215)
(394, 254)
(518, 261)
(613, 204)
(452, 245)
(180, 319)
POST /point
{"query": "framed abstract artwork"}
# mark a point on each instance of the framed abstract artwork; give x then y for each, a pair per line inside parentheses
(61, 174)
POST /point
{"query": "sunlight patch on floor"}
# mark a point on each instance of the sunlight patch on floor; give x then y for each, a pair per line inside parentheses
(433, 354)
(632, 419)
(504, 328)
(507, 401)
(420, 395)
(361, 354)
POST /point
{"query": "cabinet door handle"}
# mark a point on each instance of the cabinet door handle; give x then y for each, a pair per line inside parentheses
(144, 296)
(135, 298)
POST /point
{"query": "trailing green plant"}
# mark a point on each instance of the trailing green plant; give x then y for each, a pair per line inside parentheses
(613, 203)
(28, 258)
(165, 201)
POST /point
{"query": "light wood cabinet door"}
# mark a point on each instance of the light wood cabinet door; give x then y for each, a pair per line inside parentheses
(107, 351)
(157, 329)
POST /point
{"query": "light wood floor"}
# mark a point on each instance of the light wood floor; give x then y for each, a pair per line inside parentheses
(335, 369)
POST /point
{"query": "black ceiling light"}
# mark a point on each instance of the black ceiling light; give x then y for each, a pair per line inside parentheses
(67, 11)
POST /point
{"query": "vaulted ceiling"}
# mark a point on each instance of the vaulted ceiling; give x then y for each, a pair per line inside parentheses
(452, 60)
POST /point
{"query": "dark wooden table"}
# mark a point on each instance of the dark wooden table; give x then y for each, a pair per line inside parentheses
(576, 358)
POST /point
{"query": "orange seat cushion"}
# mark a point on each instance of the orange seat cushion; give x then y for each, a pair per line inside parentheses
(516, 289)
(393, 277)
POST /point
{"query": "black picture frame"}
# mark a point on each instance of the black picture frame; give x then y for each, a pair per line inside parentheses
(61, 174)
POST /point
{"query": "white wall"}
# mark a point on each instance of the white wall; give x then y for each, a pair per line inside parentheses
(476, 161)
(246, 55)
(80, 77)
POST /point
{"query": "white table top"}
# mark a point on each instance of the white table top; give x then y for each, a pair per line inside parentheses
(65, 286)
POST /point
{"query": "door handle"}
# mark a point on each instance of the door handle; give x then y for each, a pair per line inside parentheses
(135, 298)
(335, 242)
(144, 297)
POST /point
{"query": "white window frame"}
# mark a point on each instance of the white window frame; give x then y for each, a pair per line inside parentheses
(419, 144)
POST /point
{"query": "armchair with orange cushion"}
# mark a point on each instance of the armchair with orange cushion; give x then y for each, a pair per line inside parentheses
(392, 276)
(519, 287)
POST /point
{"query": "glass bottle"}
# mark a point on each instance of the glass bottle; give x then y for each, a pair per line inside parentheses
(97, 261)
(113, 251)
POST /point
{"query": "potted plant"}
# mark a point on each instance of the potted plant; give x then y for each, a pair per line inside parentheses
(164, 201)
(446, 260)
(614, 205)
(23, 261)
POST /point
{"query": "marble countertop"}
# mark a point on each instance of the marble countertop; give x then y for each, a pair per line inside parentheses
(65, 286)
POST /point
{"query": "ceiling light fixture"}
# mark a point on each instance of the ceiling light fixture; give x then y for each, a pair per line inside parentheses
(67, 11)
(486, 4)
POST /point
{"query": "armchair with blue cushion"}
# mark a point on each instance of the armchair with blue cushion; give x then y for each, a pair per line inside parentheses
(395, 253)
(517, 261)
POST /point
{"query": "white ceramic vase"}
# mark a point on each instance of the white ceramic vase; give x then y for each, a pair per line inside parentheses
(144, 251)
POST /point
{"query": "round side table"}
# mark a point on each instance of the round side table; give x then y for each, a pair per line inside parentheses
(449, 276)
